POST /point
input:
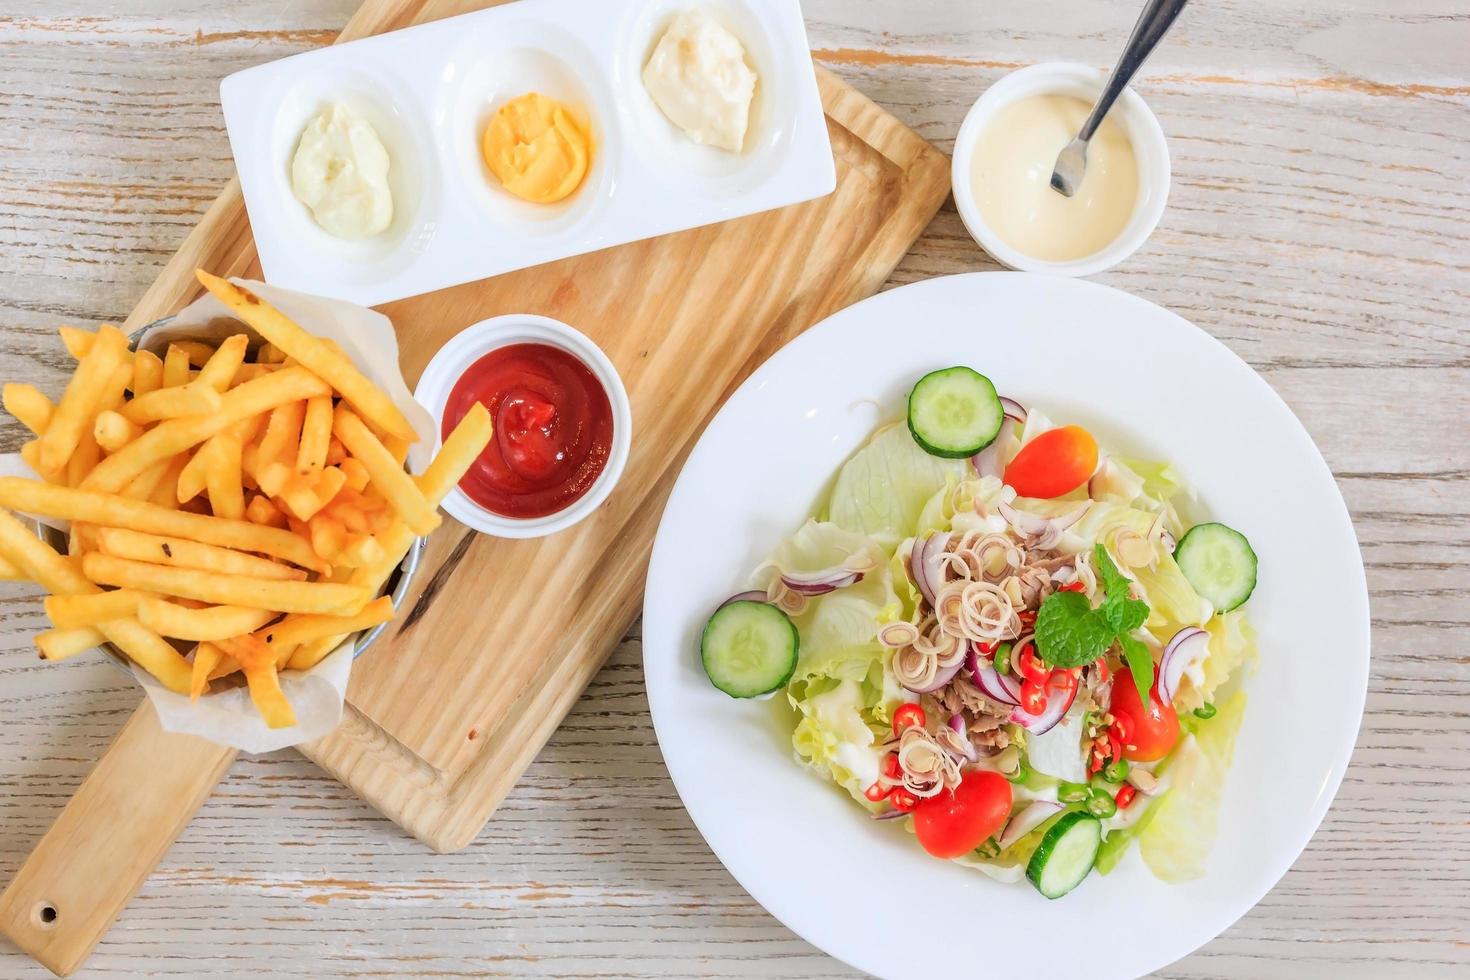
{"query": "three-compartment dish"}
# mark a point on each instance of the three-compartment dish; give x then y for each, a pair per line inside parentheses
(461, 109)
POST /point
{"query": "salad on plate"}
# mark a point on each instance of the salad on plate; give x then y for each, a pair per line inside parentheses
(1009, 640)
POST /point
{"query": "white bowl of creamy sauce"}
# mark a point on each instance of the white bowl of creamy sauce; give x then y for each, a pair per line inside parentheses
(1003, 160)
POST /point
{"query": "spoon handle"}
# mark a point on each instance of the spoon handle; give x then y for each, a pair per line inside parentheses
(1153, 23)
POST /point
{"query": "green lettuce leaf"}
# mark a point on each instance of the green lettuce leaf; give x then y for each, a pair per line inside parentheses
(882, 490)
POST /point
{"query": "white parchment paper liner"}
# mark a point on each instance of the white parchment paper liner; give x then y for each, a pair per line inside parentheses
(316, 695)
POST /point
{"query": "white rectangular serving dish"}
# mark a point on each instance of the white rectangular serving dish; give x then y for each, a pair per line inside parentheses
(430, 90)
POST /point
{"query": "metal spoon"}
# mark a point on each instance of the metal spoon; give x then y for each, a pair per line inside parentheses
(1157, 17)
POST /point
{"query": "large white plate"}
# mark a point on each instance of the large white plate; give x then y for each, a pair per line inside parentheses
(1144, 380)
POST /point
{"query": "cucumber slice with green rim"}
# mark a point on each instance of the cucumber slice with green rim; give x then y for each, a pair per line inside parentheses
(1219, 564)
(1066, 854)
(749, 648)
(954, 413)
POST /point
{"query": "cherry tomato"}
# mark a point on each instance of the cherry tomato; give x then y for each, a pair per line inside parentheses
(1032, 669)
(891, 768)
(1033, 698)
(877, 792)
(1056, 462)
(908, 716)
(1152, 731)
(955, 823)
(902, 800)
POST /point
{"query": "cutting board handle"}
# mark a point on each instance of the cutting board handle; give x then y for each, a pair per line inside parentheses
(134, 803)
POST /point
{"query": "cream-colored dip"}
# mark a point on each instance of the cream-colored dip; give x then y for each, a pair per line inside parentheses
(1011, 180)
(698, 76)
(340, 172)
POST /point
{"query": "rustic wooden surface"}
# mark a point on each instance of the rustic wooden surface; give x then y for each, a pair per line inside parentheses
(1317, 226)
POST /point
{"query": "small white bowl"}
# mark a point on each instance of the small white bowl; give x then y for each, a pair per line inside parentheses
(473, 343)
(1141, 126)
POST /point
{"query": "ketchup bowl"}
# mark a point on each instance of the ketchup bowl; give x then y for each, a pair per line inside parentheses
(563, 424)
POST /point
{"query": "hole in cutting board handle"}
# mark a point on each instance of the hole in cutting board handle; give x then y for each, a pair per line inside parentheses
(44, 916)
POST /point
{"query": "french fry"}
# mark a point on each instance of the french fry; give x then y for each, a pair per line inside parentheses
(269, 354)
(222, 477)
(336, 452)
(79, 403)
(359, 550)
(197, 351)
(386, 472)
(11, 573)
(167, 439)
(225, 589)
(74, 611)
(173, 403)
(31, 453)
(88, 453)
(316, 437)
(328, 537)
(282, 435)
(147, 372)
(261, 511)
(77, 341)
(141, 487)
(294, 630)
(207, 656)
(59, 644)
(58, 575)
(108, 510)
(258, 662)
(157, 549)
(460, 450)
(249, 372)
(31, 408)
(219, 371)
(111, 399)
(84, 459)
(112, 431)
(210, 623)
(312, 353)
(165, 494)
(175, 367)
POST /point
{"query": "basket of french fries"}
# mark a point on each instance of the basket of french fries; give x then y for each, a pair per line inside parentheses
(230, 505)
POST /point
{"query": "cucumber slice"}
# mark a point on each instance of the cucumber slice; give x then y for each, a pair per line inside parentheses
(1219, 564)
(1066, 854)
(954, 413)
(749, 648)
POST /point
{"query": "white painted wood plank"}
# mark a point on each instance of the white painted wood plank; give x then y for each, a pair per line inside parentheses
(1317, 226)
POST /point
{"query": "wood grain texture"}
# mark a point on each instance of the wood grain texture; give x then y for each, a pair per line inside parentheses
(1317, 226)
(502, 665)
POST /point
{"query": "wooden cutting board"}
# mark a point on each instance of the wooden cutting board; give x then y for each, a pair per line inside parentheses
(446, 711)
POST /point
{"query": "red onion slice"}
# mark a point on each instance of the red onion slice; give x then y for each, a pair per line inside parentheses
(989, 680)
(753, 595)
(1038, 813)
(890, 814)
(1188, 647)
(1014, 410)
(1054, 711)
(957, 724)
(990, 461)
(925, 564)
(945, 675)
(820, 583)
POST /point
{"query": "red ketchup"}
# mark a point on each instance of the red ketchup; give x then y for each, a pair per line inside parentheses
(553, 429)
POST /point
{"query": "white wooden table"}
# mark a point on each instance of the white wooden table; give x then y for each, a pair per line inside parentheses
(1318, 225)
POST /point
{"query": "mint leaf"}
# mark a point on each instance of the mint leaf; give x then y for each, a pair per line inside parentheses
(1114, 582)
(1069, 632)
(1140, 664)
(1120, 610)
